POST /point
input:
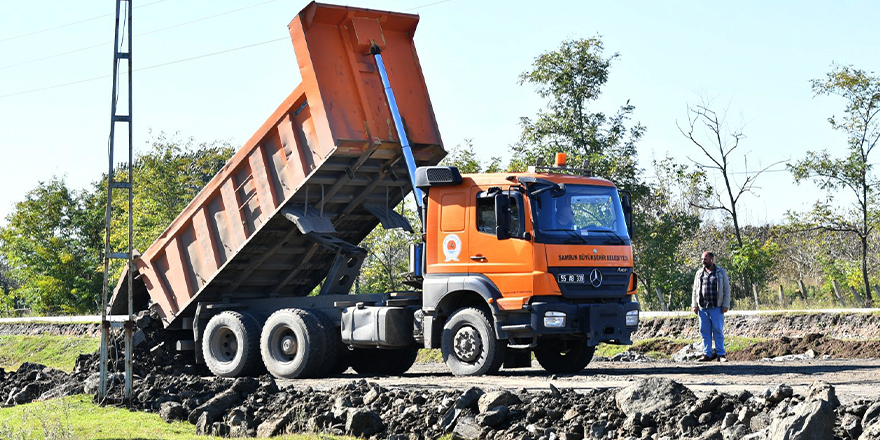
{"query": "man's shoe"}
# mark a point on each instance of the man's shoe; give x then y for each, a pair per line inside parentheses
(714, 356)
(704, 358)
(722, 358)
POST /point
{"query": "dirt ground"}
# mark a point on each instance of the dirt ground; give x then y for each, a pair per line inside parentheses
(846, 349)
(602, 401)
(853, 379)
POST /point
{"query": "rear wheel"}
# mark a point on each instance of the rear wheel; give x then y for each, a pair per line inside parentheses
(564, 357)
(230, 344)
(376, 362)
(468, 344)
(292, 344)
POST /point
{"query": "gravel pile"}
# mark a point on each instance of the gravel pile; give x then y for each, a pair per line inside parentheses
(168, 384)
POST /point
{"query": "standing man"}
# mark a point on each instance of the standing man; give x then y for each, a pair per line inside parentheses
(710, 300)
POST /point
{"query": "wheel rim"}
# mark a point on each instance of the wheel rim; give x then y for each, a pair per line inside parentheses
(467, 344)
(224, 345)
(283, 345)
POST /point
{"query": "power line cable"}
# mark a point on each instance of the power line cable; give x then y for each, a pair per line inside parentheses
(248, 46)
(208, 17)
(25, 92)
(426, 5)
(210, 54)
(49, 57)
(73, 23)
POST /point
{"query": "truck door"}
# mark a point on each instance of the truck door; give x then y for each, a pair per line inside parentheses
(508, 263)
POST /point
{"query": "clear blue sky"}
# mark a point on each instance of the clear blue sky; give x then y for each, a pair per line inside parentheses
(755, 56)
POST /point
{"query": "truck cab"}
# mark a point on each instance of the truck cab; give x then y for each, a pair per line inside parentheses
(516, 263)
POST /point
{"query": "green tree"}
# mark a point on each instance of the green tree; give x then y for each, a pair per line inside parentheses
(7, 303)
(666, 220)
(167, 176)
(571, 79)
(54, 240)
(465, 159)
(853, 173)
(387, 260)
(751, 265)
(51, 248)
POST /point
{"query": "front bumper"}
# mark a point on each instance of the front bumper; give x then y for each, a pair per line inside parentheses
(596, 322)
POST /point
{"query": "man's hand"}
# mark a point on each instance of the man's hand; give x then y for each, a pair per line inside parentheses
(724, 310)
(696, 310)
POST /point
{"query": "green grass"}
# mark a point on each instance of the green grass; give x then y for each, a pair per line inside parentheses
(736, 343)
(733, 343)
(53, 351)
(77, 418)
(429, 356)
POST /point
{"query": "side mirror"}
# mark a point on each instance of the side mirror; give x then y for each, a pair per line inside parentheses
(626, 204)
(502, 216)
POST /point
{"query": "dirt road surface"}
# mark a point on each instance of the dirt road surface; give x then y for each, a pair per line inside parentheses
(852, 378)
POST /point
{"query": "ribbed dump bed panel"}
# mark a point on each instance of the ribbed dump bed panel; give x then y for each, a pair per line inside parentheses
(329, 148)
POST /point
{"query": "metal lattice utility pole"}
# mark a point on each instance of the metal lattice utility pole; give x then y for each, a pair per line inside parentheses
(123, 38)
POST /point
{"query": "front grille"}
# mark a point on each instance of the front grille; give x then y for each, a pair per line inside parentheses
(614, 281)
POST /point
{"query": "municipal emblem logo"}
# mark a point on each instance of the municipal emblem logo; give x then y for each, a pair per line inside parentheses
(452, 247)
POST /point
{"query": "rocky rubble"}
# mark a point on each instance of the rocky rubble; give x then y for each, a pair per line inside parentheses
(170, 385)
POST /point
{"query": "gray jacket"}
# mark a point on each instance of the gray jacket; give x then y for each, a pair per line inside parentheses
(723, 288)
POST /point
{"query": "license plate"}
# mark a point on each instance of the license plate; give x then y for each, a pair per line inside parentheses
(571, 278)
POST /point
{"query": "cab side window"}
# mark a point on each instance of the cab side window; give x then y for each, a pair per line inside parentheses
(486, 214)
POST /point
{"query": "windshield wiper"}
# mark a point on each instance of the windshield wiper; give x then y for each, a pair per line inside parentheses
(556, 189)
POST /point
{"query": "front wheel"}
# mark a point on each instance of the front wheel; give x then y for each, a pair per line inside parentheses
(564, 357)
(468, 344)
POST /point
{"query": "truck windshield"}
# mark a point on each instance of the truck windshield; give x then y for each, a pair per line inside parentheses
(587, 214)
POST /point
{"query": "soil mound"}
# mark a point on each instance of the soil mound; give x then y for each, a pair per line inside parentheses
(39, 328)
(778, 325)
(820, 344)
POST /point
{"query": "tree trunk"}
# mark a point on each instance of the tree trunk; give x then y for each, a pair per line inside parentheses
(858, 297)
(781, 296)
(755, 295)
(660, 298)
(803, 289)
(837, 294)
(869, 302)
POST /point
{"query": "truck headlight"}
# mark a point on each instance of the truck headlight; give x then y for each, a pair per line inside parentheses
(632, 318)
(554, 319)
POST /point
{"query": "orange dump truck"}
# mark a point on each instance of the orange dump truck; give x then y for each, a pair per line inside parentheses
(258, 269)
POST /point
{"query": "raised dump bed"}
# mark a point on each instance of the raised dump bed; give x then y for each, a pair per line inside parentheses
(327, 161)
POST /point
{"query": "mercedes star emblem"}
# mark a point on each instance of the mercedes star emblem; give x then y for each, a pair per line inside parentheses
(596, 278)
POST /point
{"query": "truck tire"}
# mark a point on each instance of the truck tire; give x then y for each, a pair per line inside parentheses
(468, 344)
(332, 343)
(381, 362)
(230, 344)
(568, 358)
(292, 344)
